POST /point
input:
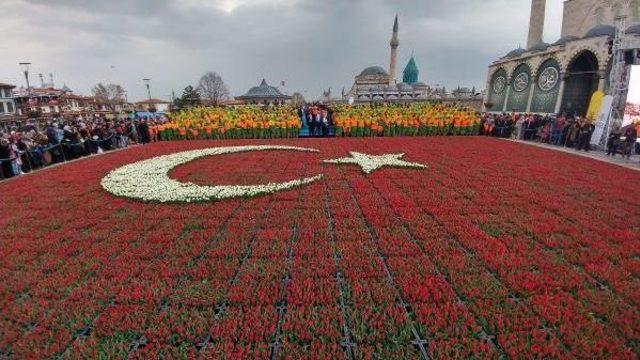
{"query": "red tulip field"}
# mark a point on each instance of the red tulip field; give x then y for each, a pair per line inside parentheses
(463, 247)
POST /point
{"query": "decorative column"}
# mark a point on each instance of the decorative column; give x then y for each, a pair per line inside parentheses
(602, 74)
(536, 23)
(394, 43)
(488, 91)
(506, 95)
(532, 86)
(560, 92)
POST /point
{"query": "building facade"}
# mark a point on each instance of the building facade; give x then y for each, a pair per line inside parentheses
(7, 102)
(47, 101)
(151, 105)
(563, 75)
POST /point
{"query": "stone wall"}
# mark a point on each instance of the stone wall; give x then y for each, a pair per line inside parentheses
(580, 16)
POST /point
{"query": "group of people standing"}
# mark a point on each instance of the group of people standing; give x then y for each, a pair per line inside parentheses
(573, 132)
(26, 148)
(623, 140)
(317, 118)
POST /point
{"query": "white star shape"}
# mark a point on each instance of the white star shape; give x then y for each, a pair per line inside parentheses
(370, 163)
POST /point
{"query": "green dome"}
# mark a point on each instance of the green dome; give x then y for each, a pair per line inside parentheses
(410, 73)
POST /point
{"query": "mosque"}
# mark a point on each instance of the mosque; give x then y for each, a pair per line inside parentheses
(376, 84)
(562, 76)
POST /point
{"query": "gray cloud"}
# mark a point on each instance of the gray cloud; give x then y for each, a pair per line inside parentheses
(310, 44)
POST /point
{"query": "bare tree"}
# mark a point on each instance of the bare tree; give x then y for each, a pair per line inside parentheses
(109, 95)
(211, 87)
(297, 99)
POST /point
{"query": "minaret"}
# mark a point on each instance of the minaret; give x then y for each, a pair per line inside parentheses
(394, 53)
(536, 23)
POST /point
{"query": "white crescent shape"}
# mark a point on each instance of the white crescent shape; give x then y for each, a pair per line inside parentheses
(149, 180)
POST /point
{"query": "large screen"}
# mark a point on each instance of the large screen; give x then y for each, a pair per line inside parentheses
(632, 108)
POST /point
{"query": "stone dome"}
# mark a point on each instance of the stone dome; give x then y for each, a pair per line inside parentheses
(564, 40)
(541, 46)
(515, 53)
(601, 30)
(373, 70)
(634, 30)
(419, 85)
(404, 87)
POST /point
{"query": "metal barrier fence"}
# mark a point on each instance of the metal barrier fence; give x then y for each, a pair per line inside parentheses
(38, 155)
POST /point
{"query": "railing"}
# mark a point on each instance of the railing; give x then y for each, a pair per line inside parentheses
(35, 158)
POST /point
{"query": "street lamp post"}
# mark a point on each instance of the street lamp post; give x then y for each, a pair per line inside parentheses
(25, 70)
(147, 83)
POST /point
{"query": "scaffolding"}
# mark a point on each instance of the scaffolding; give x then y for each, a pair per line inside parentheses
(619, 82)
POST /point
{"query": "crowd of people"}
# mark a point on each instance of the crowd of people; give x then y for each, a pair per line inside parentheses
(317, 118)
(33, 146)
(573, 132)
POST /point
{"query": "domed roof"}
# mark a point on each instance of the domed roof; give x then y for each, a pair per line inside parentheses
(635, 30)
(263, 90)
(541, 46)
(404, 87)
(373, 70)
(515, 53)
(601, 30)
(565, 39)
(419, 85)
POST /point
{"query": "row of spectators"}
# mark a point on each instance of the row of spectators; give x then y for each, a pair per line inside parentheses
(26, 148)
(573, 132)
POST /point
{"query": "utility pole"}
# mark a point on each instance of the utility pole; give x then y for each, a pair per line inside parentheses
(25, 70)
(147, 83)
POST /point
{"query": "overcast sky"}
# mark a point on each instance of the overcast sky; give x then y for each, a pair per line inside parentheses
(309, 44)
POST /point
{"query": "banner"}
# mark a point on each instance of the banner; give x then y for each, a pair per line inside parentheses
(602, 119)
(632, 107)
(595, 105)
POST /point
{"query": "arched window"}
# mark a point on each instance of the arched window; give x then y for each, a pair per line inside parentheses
(598, 16)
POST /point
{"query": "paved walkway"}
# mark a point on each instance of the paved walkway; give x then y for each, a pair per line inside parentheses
(633, 164)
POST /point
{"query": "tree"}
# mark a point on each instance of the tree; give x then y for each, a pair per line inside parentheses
(297, 99)
(190, 97)
(109, 95)
(211, 87)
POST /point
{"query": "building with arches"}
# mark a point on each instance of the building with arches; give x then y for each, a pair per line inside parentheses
(561, 76)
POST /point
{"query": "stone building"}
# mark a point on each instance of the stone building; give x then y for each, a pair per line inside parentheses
(561, 76)
(376, 84)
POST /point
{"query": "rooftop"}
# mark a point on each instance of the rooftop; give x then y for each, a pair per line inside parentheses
(152, 101)
(373, 70)
(263, 91)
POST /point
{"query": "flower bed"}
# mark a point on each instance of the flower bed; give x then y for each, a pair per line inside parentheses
(476, 255)
(250, 122)
(413, 120)
(246, 122)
